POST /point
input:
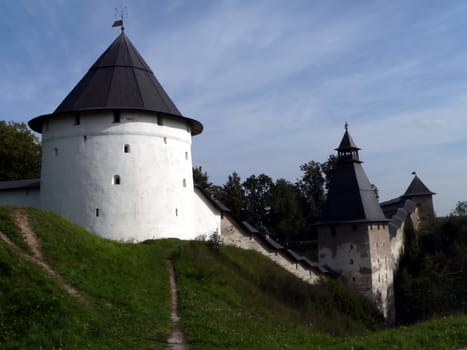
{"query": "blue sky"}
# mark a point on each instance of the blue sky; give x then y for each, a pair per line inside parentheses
(273, 82)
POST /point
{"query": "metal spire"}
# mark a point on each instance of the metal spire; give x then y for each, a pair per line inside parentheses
(122, 14)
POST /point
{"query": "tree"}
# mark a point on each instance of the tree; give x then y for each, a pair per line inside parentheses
(20, 152)
(328, 170)
(257, 195)
(312, 188)
(233, 196)
(286, 218)
(201, 178)
(460, 209)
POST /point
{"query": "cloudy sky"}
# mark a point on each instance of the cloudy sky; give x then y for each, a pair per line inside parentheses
(273, 82)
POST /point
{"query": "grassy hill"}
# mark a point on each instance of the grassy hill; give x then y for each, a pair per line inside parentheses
(229, 298)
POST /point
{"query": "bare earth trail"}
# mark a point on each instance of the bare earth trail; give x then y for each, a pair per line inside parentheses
(176, 340)
(37, 257)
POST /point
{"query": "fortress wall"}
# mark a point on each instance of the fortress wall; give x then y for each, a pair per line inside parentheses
(382, 268)
(21, 197)
(233, 234)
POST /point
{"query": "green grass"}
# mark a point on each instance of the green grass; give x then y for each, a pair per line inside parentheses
(125, 287)
(237, 299)
(9, 228)
(229, 299)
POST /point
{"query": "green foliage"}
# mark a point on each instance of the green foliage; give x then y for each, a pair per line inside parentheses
(20, 152)
(460, 209)
(201, 178)
(432, 276)
(233, 196)
(258, 197)
(286, 220)
(215, 241)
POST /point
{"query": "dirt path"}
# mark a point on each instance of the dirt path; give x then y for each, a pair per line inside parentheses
(176, 340)
(33, 242)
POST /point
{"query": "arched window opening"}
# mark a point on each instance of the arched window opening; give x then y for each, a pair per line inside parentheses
(176, 212)
(77, 119)
(186, 155)
(160, 120)
(56, 151)
(116, 180)
(126, 148)
(97, 212)
(184, 182)
(85, 138)
(165, 140)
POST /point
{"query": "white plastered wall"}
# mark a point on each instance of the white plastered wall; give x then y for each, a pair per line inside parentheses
(155, 196)
(21, 197)
(207, 218)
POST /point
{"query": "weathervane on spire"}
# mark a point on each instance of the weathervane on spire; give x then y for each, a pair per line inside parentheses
(346, 125)
(122, 13)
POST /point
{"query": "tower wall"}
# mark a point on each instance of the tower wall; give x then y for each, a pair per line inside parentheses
(425, 209)
(129, 180)
(361, 253)
(345, 249)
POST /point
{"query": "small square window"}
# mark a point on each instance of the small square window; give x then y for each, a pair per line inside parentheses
(333, 231)
(116, 116)
(116, 180)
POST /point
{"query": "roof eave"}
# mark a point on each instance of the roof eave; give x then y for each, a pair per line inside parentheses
(36, 123)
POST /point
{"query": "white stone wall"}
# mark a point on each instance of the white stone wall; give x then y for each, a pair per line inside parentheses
(207, 218)
(382, 267)
(155, 196)
(21, 198)
(234, 235)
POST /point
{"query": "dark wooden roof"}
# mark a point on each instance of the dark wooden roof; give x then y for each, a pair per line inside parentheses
(347, 143)
(417, 188)
(120, 79)
(350, 197)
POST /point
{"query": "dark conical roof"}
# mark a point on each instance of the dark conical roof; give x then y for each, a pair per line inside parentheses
(347, 143)
(417, 188)
(351, 197)
(120, 79)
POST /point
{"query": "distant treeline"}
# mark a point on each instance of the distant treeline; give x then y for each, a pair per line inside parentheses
(283, 209)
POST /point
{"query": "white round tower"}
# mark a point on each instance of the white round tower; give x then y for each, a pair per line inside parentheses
(117, 153)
